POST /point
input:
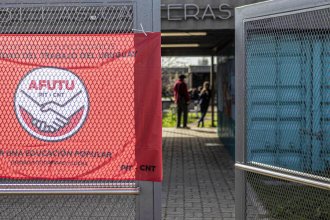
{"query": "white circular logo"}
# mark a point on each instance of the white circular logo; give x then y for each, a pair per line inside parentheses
(51, 104)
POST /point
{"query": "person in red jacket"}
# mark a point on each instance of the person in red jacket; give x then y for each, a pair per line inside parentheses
(181, 96)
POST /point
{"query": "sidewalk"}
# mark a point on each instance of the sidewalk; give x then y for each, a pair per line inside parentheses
(198, 176)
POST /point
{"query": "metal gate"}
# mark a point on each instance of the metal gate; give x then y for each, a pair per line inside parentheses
(22, 199)
(283, 93)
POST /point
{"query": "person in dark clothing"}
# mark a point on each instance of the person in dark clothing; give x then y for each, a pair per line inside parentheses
(182, 100)
(204, 101)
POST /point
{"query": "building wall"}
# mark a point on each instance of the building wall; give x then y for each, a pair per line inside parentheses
(226, 98)
(199, 14)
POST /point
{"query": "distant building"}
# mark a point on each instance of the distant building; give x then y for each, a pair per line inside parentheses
(198, 75)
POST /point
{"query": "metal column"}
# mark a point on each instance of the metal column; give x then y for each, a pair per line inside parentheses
(149, 200)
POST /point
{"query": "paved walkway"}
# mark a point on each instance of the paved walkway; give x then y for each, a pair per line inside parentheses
(198, 176)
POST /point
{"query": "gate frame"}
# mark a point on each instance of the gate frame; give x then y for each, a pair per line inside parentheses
(257, 11)
(148, 193)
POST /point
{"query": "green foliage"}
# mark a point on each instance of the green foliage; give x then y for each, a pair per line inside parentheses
(208, 122)
(169, 119)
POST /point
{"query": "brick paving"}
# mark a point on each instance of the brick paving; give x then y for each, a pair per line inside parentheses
(198, 184)
(198, 176)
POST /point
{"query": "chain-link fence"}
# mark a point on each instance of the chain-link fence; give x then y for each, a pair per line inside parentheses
(67, 207)
(83, 19)
(59, 124)
(271, 198)
(287, 115)
(287, 97)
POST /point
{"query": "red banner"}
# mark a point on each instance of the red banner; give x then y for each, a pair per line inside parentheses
(80, 107)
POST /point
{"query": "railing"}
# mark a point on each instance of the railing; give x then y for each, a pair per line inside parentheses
(293, 176)
(69, 188)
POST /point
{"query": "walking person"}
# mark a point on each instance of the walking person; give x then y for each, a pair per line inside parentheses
(182, 100)
(204, 101)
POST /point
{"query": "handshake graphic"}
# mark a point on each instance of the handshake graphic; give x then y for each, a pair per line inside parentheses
(50, 116)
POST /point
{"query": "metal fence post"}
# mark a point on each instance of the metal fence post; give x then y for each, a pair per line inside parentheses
(240, 177)
(213, 81)
(148, 202)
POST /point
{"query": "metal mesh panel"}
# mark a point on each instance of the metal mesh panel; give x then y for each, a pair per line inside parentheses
(287, 91)
(67, 207)
(65, 20)
(287, 108)
(269, 198)
(114, 18)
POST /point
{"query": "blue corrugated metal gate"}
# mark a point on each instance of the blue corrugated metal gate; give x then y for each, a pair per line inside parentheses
(288, 105)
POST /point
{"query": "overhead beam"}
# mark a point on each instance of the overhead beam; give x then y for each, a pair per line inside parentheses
(186, 51)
